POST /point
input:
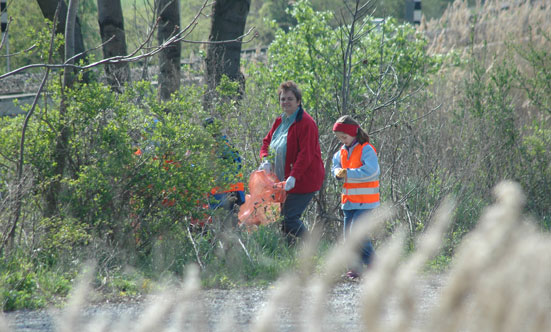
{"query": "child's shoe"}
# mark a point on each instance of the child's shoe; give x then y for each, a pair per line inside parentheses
(352, 275)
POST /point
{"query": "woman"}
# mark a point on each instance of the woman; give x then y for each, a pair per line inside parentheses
(292, 151)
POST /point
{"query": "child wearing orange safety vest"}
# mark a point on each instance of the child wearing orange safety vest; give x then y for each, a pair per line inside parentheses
(357, 165)
(232, 194)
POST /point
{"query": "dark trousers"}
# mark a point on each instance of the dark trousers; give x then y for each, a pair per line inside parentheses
(292, 210)
(350, 217)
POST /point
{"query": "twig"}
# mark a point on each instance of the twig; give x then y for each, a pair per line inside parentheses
(123, 58)
(244, 249)
(411, 121)
(18, 198)
(32, 47)
(195, 248)
(132, 57)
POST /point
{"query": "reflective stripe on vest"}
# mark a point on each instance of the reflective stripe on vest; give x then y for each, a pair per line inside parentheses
(358, 190)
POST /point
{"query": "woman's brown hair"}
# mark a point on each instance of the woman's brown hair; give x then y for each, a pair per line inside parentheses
(290, 86)
(361, 136)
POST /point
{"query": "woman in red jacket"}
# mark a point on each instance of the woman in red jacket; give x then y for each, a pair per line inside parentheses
(292, 151)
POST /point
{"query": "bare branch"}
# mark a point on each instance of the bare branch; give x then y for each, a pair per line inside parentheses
(193, 22)
(5, 34)
(32, 47)
(71, 59)
(18, 199)
(411, 121)
(132, 57)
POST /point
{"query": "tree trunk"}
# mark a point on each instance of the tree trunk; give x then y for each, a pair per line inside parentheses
(228, 23)
(169, 58)
(48, 8)
(60, 150)
(111, 25)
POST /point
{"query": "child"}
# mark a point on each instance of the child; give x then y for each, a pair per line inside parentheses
(356, 163)
(234, 193)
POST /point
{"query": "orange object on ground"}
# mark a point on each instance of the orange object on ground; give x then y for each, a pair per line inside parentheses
(261, 206)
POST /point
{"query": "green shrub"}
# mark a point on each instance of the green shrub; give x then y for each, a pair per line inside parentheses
(27, 284)
(242, 257)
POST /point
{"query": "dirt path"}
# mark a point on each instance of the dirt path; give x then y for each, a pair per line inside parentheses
(240, 305)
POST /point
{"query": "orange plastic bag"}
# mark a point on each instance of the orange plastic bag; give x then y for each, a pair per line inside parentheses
(261, 206)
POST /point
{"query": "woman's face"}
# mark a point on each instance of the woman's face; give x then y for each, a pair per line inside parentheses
(288, 102)
(345, 138)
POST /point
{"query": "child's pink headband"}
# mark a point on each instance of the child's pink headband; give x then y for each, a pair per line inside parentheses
(347, 128)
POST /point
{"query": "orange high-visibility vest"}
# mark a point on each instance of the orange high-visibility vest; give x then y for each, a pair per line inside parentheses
(238, 186)
(358, 190)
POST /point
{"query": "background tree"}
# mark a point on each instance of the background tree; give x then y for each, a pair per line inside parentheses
(223, 58)
(48, 8)
(111, 26)
(61, 151)
(169, 57)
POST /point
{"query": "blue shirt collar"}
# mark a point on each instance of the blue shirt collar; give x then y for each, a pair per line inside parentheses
(291, 117)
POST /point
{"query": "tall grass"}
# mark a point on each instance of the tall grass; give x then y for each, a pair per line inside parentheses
(493, 23)
(500, 280)
(490, 102)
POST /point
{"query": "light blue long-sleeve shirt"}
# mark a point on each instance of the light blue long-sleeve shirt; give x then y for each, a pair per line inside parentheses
(279, 144)
(369, 171)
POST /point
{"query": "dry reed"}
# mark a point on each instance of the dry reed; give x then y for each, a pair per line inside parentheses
(490, 24)
(500, 280)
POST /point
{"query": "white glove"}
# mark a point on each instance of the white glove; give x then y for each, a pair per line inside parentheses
(290, 183)
(265, 166)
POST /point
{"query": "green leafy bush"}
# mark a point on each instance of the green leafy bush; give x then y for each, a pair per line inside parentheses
(376, 84)
(27, 284)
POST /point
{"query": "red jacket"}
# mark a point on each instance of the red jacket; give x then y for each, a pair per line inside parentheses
(303, 158)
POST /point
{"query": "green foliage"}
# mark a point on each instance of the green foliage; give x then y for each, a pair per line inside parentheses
(26, 17)
(119, 283)
(114, 200)
(299, 54)
(41, 34)
(439, 264)
(146, 211)
(30, 34)
(312, 53)
(63, 235)
(488, 99)
(88, 19)
(534, 168)
(534, 80)
(471, 201)
(106, 181)
(249, 257)
(269, 16)
(535, 172)
(272, 16)
(26, 285)
(497, 97)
